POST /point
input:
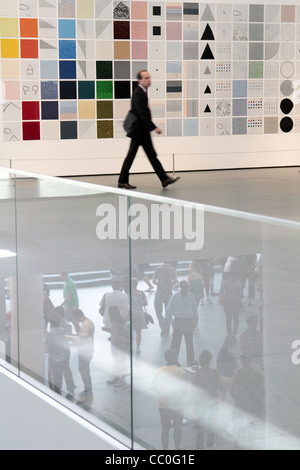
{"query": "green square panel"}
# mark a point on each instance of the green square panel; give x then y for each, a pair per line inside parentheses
(86, 90)
(105, 90)
(105, 110)
(104, 70)
(105, 130)
(256, 70)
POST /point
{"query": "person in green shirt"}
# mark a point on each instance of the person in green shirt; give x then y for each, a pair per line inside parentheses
(71, 301)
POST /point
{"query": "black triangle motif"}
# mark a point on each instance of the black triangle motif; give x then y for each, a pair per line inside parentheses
(208, 34)
(207, 54)
(207, 91)
(207, 109)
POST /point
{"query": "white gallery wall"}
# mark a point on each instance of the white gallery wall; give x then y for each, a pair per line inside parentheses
(225, 83)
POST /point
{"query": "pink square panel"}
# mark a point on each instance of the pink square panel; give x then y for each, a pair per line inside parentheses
(139, 30)
(11, 90)
(139, 10)
(139, 50)
(174, 31)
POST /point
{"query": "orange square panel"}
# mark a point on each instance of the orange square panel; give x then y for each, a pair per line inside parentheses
(29, 28)
(29, 49)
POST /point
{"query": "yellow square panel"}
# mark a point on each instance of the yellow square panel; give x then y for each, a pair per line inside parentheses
(9, 27)
(87, 110)
(85, 8)
(10, 49)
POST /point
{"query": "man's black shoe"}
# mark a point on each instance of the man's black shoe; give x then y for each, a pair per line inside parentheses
(126, 186)
(170, 181)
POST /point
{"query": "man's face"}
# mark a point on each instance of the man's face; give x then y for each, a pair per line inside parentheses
(146, 80)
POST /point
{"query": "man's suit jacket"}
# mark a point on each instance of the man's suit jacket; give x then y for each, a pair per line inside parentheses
(140, 108)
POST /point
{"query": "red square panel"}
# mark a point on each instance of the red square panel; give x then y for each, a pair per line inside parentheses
(29, 49)
(31, 131)
(30, 110)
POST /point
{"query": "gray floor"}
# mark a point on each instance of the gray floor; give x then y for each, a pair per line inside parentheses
(272, 192)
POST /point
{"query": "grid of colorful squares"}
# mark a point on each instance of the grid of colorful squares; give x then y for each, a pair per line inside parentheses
(68, 67)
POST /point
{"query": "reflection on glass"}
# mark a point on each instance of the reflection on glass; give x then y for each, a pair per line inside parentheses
(167, 346)
(7, 268)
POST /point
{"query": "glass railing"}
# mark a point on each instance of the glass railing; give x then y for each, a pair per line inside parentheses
(164, 323)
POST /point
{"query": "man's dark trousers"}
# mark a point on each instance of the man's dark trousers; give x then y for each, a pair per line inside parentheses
(146, 142)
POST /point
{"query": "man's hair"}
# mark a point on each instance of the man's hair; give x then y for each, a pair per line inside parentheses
(171, 355)
(59, 311)
(77, 314)
(116, 284)
(139, 75)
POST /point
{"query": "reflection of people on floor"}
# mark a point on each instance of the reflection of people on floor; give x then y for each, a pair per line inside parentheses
(165, 278)
(85, 338)
(248, 393)
(206, 389)
(251, 342)
(183, 308)
(195, 282)
(227, 365)
(71, 301)
(139, 302)
(120, 346)
(139, 272)
(66, 326)
(59, 357)
(231, 295)
(170, 387)
(245, 267)
(208, 273)
(116, 298)
(48, 305)
(230, 260)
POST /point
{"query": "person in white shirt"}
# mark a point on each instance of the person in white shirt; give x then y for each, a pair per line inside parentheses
(116, 298)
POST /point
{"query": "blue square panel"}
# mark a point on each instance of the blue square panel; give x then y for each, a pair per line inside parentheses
(67, 49)
(49, 110)
(240, 107)
(67, 29)
(68, 110)
(240, 88)
(67, 70)
(49, 70)
(49, 90)
(191, 127)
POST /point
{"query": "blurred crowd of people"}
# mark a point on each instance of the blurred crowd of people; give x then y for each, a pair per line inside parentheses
(125, 315)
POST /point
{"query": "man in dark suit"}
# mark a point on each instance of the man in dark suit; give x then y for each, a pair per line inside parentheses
(140, 135)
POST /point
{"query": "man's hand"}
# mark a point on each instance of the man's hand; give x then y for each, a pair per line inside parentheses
(158, 131)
